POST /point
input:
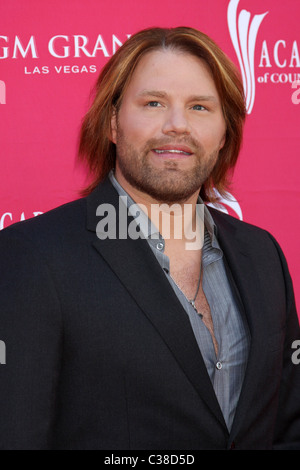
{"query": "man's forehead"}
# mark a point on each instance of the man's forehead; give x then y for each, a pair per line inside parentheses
(160, 71)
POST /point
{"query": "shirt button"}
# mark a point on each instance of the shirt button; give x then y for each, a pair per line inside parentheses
(160, 246)
(219, 365)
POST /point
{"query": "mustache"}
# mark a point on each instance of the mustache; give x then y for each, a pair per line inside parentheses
(189, 141)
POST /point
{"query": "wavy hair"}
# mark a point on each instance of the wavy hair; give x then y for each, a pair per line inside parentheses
(96, 148)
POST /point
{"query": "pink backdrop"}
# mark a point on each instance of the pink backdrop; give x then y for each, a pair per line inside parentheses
(52, 51)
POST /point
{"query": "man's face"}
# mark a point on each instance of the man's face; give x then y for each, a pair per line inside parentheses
(169, 128)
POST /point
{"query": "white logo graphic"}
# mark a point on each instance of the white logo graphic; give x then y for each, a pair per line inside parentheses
(229, 201)
(2, 92)
(243, 34)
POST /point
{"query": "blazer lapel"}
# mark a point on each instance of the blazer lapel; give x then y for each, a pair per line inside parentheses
(136, 267)
(240, 256)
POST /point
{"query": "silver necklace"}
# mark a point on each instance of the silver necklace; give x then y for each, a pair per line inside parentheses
(192, 301)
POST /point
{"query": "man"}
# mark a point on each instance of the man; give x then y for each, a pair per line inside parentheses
(134, 339)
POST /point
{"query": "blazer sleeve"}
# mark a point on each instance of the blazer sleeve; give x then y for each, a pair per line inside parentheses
(287, 429)
(31, 330)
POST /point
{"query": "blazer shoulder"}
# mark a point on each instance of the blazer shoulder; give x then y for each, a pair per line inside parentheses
(259, 239)
(225, 220)
(254, 237)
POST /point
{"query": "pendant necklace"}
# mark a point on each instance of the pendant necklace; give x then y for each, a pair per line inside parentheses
(192, 301)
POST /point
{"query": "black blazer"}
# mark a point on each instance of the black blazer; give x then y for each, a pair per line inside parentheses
(101, 355)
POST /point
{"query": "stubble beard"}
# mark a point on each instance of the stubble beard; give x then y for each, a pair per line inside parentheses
(171, 184)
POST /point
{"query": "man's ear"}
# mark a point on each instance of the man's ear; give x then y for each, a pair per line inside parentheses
(113, 126)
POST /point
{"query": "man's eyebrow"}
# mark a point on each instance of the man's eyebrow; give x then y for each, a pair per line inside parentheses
(157, 93)
(204, 98)
(164, 94)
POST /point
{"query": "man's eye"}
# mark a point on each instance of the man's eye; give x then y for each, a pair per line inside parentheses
(199, 107)
(153, 104)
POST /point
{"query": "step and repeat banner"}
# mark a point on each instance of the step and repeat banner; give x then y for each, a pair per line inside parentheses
(51, 53)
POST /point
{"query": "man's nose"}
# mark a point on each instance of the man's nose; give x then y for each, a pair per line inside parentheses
(176, 122)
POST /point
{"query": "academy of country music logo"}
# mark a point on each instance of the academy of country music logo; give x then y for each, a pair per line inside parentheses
(283, 54)
(243, 32)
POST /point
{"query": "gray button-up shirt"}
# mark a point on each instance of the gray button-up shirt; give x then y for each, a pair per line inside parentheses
(226, 371)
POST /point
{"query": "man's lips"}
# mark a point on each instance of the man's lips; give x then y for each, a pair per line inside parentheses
(173, 150)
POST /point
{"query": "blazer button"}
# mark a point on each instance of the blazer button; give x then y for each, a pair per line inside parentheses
(232, 446)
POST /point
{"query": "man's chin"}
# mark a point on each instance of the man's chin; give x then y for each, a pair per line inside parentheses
(169, 195)
(169, 185)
